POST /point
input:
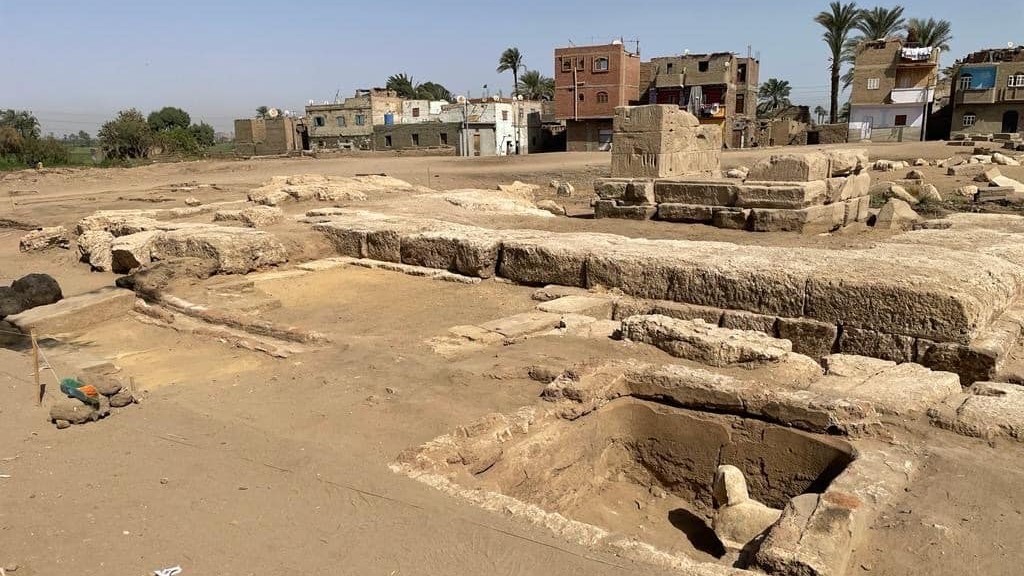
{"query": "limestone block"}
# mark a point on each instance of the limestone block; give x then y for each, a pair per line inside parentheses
(625, 190)
(814, 219)
(708, 192)
(701, 342)
(594, 306)
(626, 307)
(129, 252)
(988, 410)
(811, 338)
(855, 186)
(461, 249)
(44, 238)
(791, 168)
(663, 142)
(847, 161)
(609, 209)
(652, 118)
(970, 170)
(859, 341)
(75, 314)
(731, 218)
(740, 320)
(94, 247)
(553, 260)
(896, 215)
(690, 213)
(738, 519)
(235, 250)
(666, 165)
(789, 196)
(552, 207)
(260, 216)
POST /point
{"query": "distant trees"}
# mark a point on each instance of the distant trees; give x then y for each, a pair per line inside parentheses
(536, 86)
(772, 96)
(931, 32)
(168, 118)
(838, 21)
(511, 60)
(874, 24)
(21, 121)
(127, 136)
(20, 140)
(403, 84)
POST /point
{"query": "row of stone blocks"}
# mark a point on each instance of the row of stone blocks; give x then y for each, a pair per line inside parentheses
(811, 192)
(942, 307)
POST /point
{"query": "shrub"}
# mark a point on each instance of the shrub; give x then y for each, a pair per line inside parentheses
(127, 136)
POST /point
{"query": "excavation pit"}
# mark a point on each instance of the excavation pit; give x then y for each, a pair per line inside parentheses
(638, 474)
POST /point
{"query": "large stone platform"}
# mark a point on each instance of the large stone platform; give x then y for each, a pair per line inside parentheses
(953, 309)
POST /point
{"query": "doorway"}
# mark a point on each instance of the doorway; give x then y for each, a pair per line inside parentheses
(1011, 119)
(476, 144)
(866, 127)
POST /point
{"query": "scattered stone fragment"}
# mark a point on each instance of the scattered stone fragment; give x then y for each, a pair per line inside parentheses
(920, 162)
(736, 173)
(900, 193)
(61, 424)
(260, 216)
(896, 215)
(1003, 160)
(929, 193)
(73, 411)
(123, 398)
(44, 239)
(192, 201)
(565, 189)
(36, 290)
(94, 247)
(915, 175)
(967, 191)
(551, 206)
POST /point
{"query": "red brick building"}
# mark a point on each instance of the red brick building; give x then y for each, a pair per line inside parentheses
(590, 82)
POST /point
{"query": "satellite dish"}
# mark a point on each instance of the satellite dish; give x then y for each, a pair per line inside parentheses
(287, 112)
(460, 99)
(496, 98)
(519, 97)
(616, 42)
(1010, 45)
(273, 113)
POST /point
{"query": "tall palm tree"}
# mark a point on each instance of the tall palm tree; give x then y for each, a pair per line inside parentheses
(536, 86)
(402, 84)
(931, 32)
(512, 60)
(819, 113)
(261, 111)
(875, 24)
(773, 95)
(838, 22)
(432, 91)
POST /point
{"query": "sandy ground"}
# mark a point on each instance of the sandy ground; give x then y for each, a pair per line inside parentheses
(236, 463)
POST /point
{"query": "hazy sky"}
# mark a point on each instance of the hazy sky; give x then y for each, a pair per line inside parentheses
(75, 63)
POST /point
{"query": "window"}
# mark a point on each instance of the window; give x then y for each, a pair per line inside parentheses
(360, 120)
(969, 120)
(387, 141)
(415, 139)
(415, 112)
(741, 103)
(600, 64)
(581, 96)
(319, 121)
(741, 74)
(444, 138)
(668, 67)
(602, 97)
(964, 82)
(341, 121)
(1015, 81)
(566, 65)
(901, 120)
(873, 83)
(504, 115)
(581, 63)
(703, 65)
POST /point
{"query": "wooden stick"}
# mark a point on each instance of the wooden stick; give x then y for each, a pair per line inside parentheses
(35, 364)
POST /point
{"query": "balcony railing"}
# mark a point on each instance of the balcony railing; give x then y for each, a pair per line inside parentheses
(1012, 94)
(986, 96)
(911, 95)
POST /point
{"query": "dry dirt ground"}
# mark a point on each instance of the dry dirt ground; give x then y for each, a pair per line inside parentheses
(236, 463)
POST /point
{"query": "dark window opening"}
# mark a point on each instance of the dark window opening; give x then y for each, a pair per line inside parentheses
(566, 65)
(741, 73)
(415, 112)
(319, 120)
(581, 96)
(703, 65)
(741, 103)
(444, 138)
(602, 97)
(387, 141)
(901, 120)
(415, 139)
(668, 67)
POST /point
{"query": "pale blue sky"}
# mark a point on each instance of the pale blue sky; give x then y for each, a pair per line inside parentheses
(75, 63)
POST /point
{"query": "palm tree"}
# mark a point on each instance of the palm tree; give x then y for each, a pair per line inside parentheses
(512, 60)
(536, 86)
(877, 23)
(432, 91)
(819, 113)
(402, 84)
(931, 32)
(773, 95)
(838, 22)
(261, 111)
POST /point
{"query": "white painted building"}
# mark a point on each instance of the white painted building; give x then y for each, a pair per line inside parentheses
(415, 111)
(490, 128)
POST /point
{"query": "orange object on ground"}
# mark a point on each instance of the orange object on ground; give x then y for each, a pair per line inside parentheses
(89, 390)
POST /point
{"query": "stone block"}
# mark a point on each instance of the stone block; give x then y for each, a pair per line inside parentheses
(45, 238)
(862, 342)
(663, 142)
(129, 252)
(594, 306)
(814, 219)
(463, 250)
(701, 342)
(626, 307)
(896, 215)
(970, 170)
(730, 218)
(556, 260)
(811, 338)
(75, 314)
(805, 167)
(845, 162)
(609, 209)
(689, 213)
(740, 320)
(627, 164)
(855, 186)
(625, 190)
(94, 247)
(789, 196)
(707, 192)
(652, 118)
(234, 250)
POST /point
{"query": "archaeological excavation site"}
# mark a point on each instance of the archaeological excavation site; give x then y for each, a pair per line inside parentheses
(667, 360)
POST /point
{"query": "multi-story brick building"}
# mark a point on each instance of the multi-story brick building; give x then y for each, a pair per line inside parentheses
(893, 90)
(590, 82)
(718, 88)
(988, 92)
(349, 123)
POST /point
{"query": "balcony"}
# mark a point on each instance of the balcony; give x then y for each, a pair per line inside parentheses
(1012, 94)
(911, 95)
(984, 96)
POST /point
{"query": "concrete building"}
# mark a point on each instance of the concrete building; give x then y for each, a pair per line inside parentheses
(718, 88)
(590, 82)
(421, 136)
(416, 111)
(892, 92)
(349, 123)
(266, 136)
(988, 93)
(496, 127)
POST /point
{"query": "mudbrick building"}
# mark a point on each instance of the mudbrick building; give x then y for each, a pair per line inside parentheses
(893, 90)
(988, 93)
(349, 123)
(718, 88)
(590, 82)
